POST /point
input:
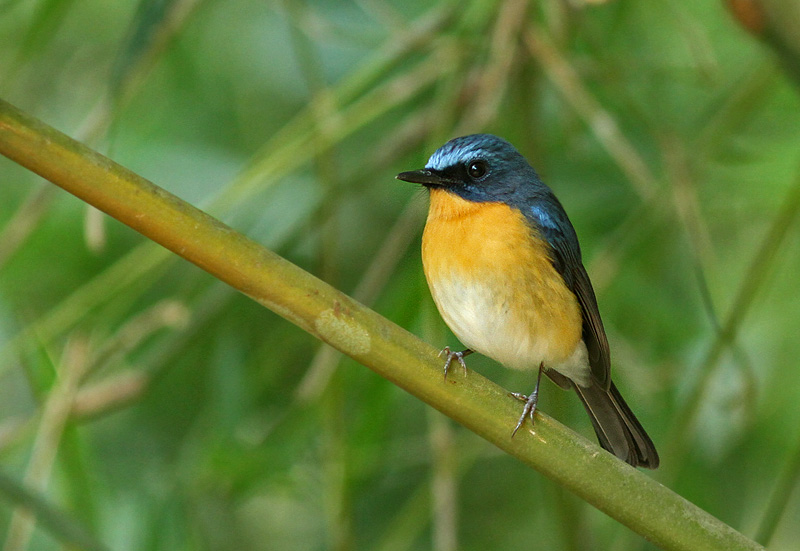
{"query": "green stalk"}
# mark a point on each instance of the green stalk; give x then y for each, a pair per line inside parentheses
(612, 486)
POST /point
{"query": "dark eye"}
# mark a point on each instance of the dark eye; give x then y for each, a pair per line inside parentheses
(477, 169)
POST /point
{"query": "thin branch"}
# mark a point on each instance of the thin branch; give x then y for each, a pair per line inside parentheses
(760, 266)
(603, 124)
(786, 484)
(48, 437)
(66, 529)
(325, 361)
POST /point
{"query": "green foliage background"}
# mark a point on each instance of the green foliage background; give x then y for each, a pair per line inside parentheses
(157, 409)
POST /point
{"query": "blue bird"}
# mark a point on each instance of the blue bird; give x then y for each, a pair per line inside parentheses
(504, 268)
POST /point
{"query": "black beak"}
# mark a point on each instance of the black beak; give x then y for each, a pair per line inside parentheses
(424, 177)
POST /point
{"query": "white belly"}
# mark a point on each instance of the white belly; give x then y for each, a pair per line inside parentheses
(516, 335)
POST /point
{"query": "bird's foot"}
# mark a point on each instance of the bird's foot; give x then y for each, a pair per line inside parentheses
(528, 410)
(530, 402)
(458, 356)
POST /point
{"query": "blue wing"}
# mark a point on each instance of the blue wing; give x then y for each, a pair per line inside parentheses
(549, 216)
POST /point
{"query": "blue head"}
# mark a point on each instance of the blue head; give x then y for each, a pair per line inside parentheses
(481, 167)
(485, 168)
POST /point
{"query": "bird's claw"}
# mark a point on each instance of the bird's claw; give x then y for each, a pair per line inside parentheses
(530, 402)
(528, 411)
(458, 356)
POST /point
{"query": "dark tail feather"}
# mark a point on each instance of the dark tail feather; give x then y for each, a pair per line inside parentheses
(616, 426)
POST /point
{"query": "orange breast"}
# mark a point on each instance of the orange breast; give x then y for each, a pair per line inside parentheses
(494, 284)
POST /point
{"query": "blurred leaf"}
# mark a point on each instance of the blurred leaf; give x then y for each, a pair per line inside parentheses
(153, 23)
(48, 18)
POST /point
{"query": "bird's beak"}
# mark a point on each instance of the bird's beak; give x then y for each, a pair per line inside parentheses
(424, 177)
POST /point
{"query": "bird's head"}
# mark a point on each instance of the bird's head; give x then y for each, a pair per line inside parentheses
(478, 167)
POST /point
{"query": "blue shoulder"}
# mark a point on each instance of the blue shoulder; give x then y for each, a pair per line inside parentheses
(548, 217)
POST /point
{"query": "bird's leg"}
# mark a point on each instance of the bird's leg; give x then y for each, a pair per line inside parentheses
(530, 402)
(459, 356)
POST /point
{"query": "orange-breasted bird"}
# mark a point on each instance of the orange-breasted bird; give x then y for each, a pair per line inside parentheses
(504, 267)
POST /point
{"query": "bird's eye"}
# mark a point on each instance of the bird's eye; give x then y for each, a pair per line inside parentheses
(477, 169)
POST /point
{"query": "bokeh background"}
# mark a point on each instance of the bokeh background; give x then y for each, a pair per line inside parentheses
(151, 407)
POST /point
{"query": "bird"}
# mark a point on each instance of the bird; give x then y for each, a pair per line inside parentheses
(504, 267)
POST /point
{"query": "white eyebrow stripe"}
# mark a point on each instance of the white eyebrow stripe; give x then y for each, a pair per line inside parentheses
(449, 156)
